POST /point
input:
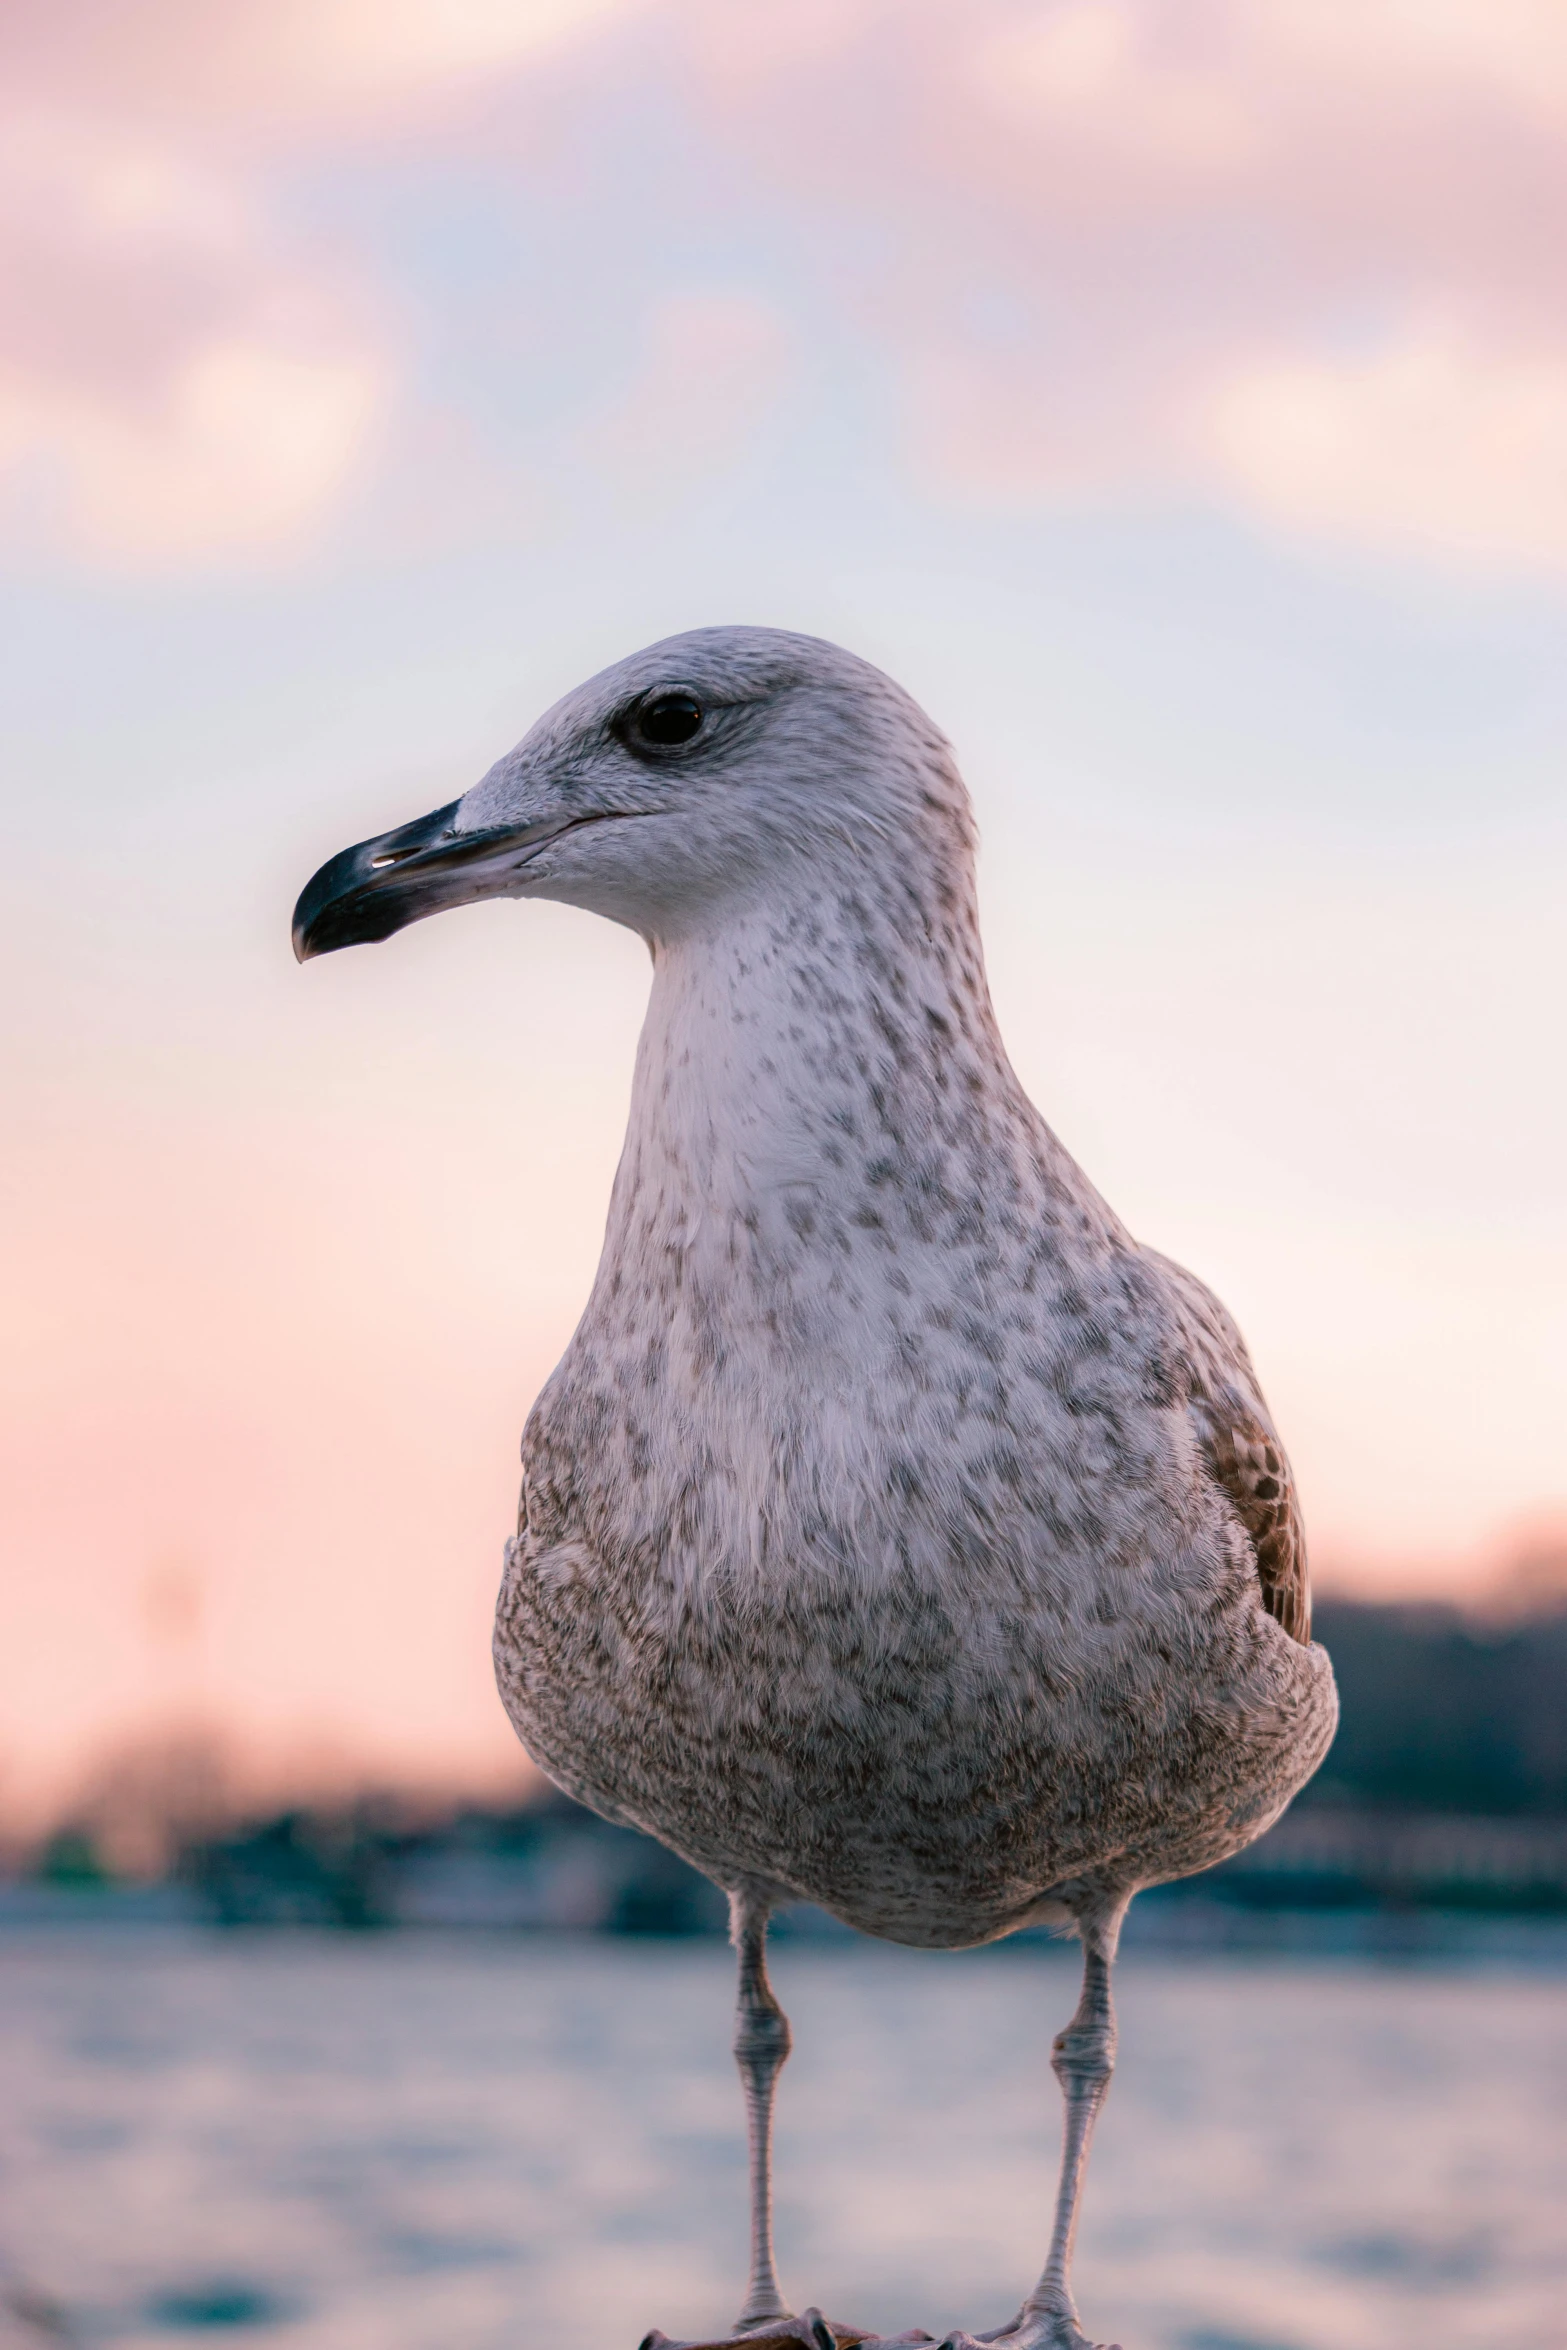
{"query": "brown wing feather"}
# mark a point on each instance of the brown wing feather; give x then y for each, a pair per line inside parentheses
(1240, 1448)
(1247, 1461)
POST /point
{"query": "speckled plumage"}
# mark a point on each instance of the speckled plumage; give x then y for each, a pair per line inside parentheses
(896, 1531)
(883, 1534)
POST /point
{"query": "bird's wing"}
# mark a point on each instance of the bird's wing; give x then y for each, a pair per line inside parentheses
(1240, 1447)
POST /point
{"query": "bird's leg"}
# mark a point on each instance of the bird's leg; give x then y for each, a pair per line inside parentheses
(1082, 2059)
(762, 2041)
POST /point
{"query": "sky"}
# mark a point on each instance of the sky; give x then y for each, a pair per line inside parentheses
(1173, 397)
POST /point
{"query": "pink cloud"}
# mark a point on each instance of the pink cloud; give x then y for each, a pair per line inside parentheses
(1436, 440)
(1296, 257)
(713, 365)
(172, 385)
(285, 68)
(179, 381)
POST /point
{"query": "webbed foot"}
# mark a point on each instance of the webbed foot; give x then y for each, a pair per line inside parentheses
(809, 2331)
(1040, 2331)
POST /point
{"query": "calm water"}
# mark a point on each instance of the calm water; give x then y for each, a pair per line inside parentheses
(412, 2144)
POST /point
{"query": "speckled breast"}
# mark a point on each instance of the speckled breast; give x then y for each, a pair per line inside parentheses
(925, 1770)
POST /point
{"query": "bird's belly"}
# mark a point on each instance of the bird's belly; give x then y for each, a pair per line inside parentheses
(927, 1772)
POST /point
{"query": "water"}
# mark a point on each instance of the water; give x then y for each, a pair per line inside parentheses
(488, 2144)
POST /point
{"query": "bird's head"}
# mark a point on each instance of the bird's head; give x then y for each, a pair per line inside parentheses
(667, 790)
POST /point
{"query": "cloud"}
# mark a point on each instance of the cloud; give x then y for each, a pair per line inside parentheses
(1296, 258)
(713, 366)
(1080, 73)
(357, 51)
(1514, 51)
(1435, 441)
(173, 386)
(180, 381)
(287, 68)
(245, 444)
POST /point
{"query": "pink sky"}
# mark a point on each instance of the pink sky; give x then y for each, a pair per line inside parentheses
(323, 307)
(1297, 255)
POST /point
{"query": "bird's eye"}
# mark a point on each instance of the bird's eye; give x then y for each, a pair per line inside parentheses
(667, 719)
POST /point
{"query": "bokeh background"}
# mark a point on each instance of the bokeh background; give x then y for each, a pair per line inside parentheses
(1173, 396)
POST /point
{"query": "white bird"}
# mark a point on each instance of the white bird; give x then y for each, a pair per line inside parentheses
(896, 1532)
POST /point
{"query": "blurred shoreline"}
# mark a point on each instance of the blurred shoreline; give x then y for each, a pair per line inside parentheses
(1437, 1826)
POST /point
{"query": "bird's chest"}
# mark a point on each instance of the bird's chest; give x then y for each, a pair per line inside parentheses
(809, 1726)
(800, 1411)
(799, 1563)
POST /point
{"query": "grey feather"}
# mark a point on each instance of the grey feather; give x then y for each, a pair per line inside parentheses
(896, 1531)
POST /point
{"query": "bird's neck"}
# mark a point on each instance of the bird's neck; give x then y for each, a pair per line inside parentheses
(842, 1046)
(829, 1162)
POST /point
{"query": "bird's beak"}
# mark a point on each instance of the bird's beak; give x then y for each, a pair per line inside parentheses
(381, 885)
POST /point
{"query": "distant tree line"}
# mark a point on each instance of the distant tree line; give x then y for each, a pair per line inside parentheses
(1446, 1785)
(1441, 1712)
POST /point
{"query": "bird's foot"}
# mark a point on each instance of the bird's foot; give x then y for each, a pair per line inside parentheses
(1029, 2330)
(809, 2331)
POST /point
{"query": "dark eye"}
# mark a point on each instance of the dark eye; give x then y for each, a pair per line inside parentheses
(667, 719)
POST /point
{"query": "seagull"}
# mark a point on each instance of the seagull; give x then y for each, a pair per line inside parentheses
(896, 1532)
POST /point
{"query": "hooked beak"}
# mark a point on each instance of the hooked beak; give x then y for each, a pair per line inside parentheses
(379, 886)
